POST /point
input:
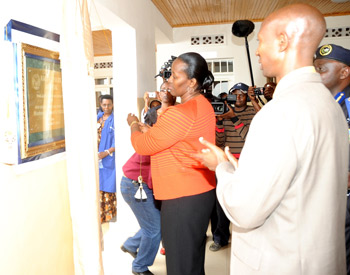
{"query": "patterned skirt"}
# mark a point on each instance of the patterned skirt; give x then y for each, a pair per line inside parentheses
(108, 206)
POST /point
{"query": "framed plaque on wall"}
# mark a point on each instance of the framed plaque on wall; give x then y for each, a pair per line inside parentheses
(40, 102)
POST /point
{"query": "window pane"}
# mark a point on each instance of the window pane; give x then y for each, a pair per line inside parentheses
(209, 66)
(101, 81)
(216, 67)
(223, 66)
(230, 66)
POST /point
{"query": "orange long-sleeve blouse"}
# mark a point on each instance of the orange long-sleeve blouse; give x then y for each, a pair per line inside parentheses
(171, 143)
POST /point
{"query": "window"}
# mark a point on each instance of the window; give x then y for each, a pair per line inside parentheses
(222, 70)
(220, 66)
(101, 81)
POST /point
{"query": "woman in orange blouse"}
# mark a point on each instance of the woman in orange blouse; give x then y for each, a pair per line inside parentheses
(185, 186)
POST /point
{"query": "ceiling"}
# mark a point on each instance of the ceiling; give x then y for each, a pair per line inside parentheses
(102, 41)
(181, 13)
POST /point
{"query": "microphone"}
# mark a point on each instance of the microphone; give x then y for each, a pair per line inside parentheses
(242, 28)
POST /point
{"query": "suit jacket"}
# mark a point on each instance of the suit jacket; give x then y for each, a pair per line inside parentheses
(287, 199)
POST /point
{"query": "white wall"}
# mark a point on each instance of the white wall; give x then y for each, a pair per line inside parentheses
(103, 72)
(36, 236)
(136, 27)
(36, 232)
(234, 47)
(148, 24)
(39, 196)
(334, 22)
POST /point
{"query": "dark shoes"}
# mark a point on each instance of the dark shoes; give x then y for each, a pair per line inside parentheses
(134, 254)
(215, 247)
(147, 272)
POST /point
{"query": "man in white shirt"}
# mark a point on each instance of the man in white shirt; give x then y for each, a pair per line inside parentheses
(286, 198)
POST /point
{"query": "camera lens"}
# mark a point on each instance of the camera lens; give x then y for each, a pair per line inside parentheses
(218, 107)
(259, 91)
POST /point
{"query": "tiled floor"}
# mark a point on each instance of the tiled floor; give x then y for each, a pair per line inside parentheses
(116, 262)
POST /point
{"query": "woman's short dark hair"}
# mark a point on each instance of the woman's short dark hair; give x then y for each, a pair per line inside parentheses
(155, 101)
(107, 97)
(197, 68)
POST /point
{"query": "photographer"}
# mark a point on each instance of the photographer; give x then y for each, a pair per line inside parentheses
(267, 91)
(149, 104)
(231, 130)
(164, 73)
(232, 127)
(143, 246)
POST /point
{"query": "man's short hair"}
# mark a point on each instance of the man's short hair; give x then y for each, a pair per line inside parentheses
(107, 97)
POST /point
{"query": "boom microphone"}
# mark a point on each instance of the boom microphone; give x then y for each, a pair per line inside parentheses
(242, 28)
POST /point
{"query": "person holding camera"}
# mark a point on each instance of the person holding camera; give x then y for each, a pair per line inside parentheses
(231, 130)
(143, 246)
(149, 104)
(166, 100)
(185, 187)
(267, 91)
(232, 127)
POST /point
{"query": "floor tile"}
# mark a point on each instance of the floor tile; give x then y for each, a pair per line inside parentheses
(116, 262)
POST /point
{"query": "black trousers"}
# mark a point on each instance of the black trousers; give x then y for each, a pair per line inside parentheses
(184, 223)
(220, 225)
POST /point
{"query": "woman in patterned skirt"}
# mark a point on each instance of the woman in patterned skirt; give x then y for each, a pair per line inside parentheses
(106, 156)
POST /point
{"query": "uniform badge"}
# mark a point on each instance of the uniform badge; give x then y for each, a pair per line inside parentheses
(339, 97)
(325, 50)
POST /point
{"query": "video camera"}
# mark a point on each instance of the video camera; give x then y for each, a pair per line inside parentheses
(165, 70)
(259, 91)
(219, 104)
